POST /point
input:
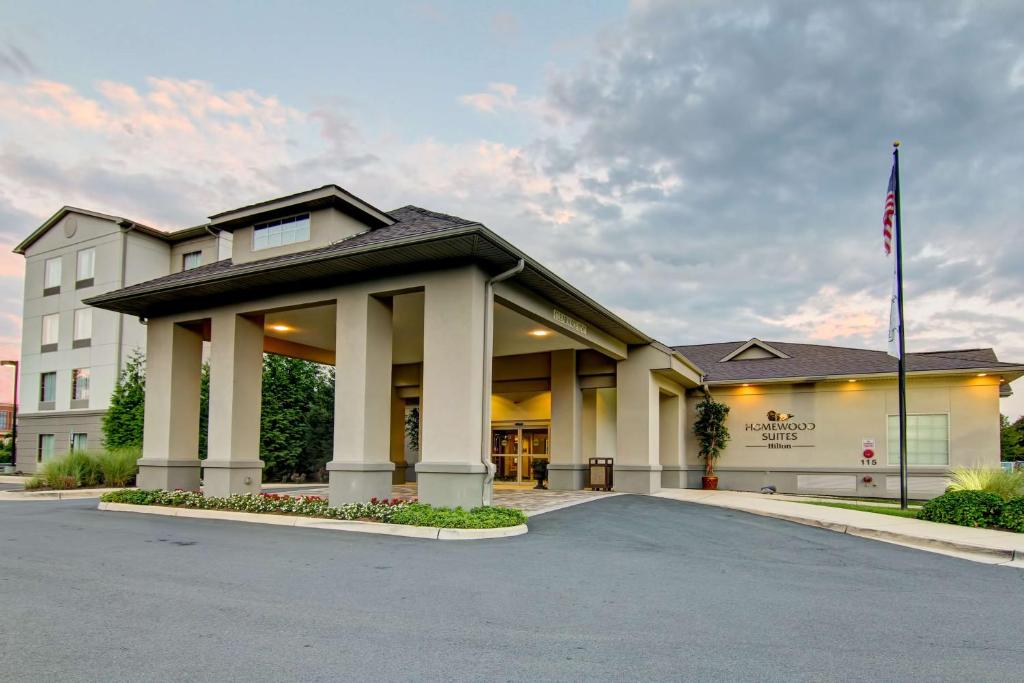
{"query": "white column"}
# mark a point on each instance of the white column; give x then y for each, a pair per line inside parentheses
(233, 462)
(450, 471)
(566, 468)
(362, 467)
(170, 454)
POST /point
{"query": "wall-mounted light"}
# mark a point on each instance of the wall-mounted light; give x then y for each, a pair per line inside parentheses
(278, 327)
(539, 333)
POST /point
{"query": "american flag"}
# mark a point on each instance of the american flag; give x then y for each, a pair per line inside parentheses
(890, 210)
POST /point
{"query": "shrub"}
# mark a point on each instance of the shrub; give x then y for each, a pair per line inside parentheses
(419, 514)
(393, 511)
(76, 469)
(119, 466)
(965, 508)
(1013, 515)
(1004, 484)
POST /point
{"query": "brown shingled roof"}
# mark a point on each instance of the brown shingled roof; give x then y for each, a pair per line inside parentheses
(814, 360)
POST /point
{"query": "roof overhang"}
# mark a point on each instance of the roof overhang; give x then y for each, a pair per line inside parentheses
(328, 196)
(1008, 373)
(327, 268)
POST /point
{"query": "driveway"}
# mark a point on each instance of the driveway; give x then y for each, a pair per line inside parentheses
(622, 588)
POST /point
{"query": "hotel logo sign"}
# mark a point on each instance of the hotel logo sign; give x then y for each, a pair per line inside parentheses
(574, 325)
(781, 430)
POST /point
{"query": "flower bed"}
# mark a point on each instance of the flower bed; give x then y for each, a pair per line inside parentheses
(388, 511)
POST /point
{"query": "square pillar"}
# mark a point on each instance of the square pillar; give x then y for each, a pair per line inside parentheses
(233, 464)
(170, 452)
(637, 465)
(670, 440)
(566, 469)
(362, 467)
(450, 471)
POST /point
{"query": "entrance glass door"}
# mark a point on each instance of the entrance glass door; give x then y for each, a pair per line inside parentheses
(513, 450)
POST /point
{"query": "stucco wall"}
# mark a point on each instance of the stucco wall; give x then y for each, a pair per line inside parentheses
(325, 226)
(844, 415)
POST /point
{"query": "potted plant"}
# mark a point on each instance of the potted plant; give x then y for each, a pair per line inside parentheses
(712, 436)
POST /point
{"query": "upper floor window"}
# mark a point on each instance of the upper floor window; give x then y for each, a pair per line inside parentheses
(86, 268)
(83, 328)
(51, 276)
(48, 388)
(80, 384)
(192, 259)
(5, 419)
(280, 232)
(927, 440)
(51, 332)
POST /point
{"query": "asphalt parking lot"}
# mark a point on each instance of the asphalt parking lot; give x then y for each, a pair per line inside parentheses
(623, 588)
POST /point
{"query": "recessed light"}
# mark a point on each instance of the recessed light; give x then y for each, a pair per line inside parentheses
(982, 374)
(746, 385)
(539, 333)
(278, 327)
(851, 380)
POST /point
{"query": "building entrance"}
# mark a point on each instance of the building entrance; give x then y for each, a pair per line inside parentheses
(515, 446)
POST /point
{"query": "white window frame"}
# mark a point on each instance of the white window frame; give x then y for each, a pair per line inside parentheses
(44, 339)
(52, 266)
(77, 324)
(892, 448)
(76, 384)
(79, 275)
(198, 254)
(282, 232)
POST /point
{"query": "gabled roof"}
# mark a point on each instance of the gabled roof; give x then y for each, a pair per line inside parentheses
(120, 221)
(416, 237)
(753, 343)
(814, 361)
(332, 196)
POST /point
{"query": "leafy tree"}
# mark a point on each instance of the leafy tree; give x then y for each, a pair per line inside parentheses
(1011, 439)
(296, 421)
(122, 425)
(204, 409)
(711, 432)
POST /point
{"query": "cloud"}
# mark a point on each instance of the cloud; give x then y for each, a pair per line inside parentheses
(497, 96)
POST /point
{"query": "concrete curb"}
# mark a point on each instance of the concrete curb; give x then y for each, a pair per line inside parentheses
(987, 554)
(428, 532)
(70, 494)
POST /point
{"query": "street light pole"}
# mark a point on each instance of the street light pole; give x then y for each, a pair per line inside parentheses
(14, 413)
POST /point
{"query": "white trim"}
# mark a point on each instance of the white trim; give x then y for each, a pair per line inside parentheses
(754, 341)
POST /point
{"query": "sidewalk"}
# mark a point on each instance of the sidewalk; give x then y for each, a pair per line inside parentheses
(980, 545)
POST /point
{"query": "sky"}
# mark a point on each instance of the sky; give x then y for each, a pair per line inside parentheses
(711, 171)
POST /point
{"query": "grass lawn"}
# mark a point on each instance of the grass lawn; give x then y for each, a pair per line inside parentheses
(870, 501)
(895, 512)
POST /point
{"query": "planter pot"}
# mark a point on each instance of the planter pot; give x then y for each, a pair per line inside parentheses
(709, 483)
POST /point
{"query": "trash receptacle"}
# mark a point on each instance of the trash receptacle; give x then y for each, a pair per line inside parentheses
(601, 474)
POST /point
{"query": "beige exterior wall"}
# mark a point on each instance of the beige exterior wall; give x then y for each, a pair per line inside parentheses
(829, 458)
(209, 246)
(325, 226)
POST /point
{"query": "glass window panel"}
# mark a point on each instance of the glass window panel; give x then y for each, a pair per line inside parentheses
(79, 442)
(52, 275)
(46, 444)
(927, 440)
(51, 328)
(48, 386)
(80, 384)
(83, 324)
(191, 260)
(280, 232)
(86, 264)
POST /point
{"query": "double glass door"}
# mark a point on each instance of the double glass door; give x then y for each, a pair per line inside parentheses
(514, 449)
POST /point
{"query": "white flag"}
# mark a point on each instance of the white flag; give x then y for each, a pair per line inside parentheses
(894, 315)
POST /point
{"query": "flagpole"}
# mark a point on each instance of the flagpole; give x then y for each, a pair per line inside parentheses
(903, 352)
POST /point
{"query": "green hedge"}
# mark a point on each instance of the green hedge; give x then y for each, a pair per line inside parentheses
(393, 511)
(965, 508)
(1013, 515)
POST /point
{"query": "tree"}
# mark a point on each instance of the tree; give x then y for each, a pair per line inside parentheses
(296, 425)
(711, 432)
(204, 409)
(1011, 439)
(122, 425)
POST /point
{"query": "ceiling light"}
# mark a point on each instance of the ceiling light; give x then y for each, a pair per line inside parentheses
(278, 327)
(746, 385)
(851, 380)
(539, 333)
(982, 374)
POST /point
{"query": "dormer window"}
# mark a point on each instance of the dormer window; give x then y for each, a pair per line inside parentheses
(280, 232)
